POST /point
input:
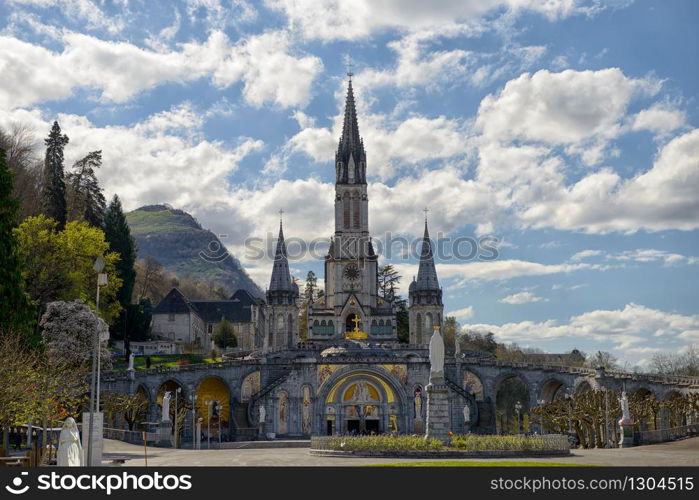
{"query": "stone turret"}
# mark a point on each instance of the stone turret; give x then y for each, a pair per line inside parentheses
(426, 308)
(282, 295)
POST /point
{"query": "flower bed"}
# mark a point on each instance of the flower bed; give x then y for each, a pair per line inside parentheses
(470, 445)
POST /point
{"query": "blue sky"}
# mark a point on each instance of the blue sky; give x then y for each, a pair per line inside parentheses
(566, 129)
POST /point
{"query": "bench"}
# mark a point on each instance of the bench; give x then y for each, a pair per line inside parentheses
(14, 461)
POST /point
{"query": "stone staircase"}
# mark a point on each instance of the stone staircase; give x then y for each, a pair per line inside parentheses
(264, 391)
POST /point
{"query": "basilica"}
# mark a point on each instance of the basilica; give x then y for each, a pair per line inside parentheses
(350, 374)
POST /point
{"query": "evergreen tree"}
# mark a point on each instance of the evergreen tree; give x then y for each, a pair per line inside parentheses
(118, 235)
(388, 280)
(16, 311)
(311, 287)
(85, 198)
(53, 193)
(224, 335)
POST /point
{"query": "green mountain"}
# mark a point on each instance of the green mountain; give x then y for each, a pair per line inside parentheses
(184, 248)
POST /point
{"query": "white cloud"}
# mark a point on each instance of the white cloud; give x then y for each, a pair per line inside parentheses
(627, 328)
(506, 269)
(560, 108)
(653, 255)
(356, 19)
(463, 313)
(121, 70)
(85, 10)
(658, 118)
(584, 254)
(522, 298)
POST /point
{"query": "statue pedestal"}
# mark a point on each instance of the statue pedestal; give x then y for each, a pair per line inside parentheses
(165, 433)
(626, 432)
(97, 438)
(438, 411)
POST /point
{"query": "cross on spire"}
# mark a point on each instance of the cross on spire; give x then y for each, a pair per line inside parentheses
(350, 74)
(281, 215)
(425, 210)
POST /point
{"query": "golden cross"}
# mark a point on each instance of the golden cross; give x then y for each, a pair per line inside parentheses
(356, 323)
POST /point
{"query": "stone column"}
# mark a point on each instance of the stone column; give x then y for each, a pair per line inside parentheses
(97, 438)
(438, 411)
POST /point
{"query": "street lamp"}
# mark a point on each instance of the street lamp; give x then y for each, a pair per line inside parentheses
(541, 402)
(179, 389)
(518, 409)
(569, 398)
(208, 423)
(95, 375)
(194, 420)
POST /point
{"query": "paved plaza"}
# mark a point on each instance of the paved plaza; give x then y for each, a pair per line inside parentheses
(685, 452)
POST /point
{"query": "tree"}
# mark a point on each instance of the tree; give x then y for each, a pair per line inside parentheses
(603, 359)
(402, 320)
(388, 280)
(685, 363)
(20, 155)
(224, 335)
(58, 265)
(449, 331)
(68, 330)
(133, 407)
(16, 310)
(84, 194)
(53, 192)
(311, 287)
(118, 235)
(151, 281)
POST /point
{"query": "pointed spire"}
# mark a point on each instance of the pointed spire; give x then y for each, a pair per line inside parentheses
(281, 277)
(350, 149)
(427, 273)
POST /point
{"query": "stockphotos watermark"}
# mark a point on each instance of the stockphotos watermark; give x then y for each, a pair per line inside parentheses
(103, 483)
(389, 246)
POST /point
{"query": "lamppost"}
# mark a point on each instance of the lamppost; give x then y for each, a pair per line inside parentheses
(95, 375)
(608, 443)
(518, 409)
(569, 399)
(208, 424)
(194, 420)
(541, 402)
(177, 392)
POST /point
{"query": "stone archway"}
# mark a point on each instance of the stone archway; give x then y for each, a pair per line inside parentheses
(512, 396)
(361, 401)
(551, 390)
(473, 385)
(214, 406)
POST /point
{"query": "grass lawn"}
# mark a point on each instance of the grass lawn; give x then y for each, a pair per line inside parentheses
(163, 360)
(475, 463)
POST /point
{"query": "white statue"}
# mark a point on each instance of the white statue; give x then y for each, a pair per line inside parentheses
(467, 414)
(361, 393)
(436, 354)
(166, 406)
(132, 356)
(625, 413)
(418, 405)
(262, 414)
(70, 451)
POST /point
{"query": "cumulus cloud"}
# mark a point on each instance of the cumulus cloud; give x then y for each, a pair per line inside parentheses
(356, 19)
(522, 298)
(626, 328)
(463, 313)
(120, 70)
(658, 118)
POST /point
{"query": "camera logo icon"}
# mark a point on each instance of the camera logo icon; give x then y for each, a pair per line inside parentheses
(16, 488)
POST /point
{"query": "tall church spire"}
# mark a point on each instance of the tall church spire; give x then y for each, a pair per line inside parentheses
(427, 274)
(350, 159)
(281, 277)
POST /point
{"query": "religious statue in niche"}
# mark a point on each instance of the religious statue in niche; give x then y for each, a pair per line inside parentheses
(283, 413)
(306, 411)
(418, 404)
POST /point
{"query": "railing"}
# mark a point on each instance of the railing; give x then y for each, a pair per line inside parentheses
(133, 437)
(662, 435)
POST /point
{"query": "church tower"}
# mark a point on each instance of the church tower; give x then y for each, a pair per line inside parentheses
(426, 308)
(351, 266)
(282, 311)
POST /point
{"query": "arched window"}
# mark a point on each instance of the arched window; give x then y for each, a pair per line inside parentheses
(357, 203)
(418, 328)
(346, 210)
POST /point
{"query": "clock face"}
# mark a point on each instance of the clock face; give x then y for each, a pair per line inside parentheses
(352, 272)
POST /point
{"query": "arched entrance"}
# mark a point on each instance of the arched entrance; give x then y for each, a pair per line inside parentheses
(473, 385)
(552, 390)
(361, 403)
(213, 405)
(512, 404)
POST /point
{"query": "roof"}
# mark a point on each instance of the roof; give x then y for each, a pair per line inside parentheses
(173, 303)
(237, 309)
(426, 274)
